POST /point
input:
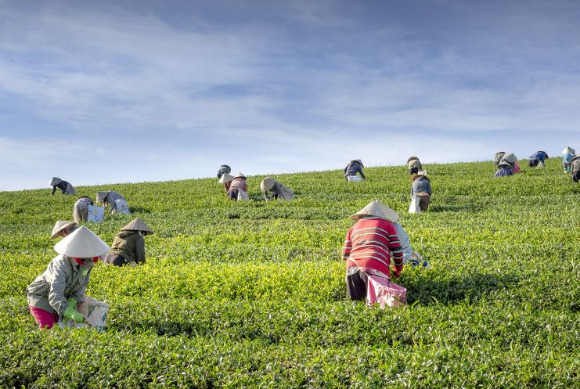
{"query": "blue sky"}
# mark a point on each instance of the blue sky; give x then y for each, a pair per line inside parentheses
(102, 92)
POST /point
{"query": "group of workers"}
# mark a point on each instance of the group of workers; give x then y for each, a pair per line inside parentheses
(507, 163)
(236, 186)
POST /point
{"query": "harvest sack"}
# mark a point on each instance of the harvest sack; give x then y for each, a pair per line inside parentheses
(243, 195)
(96, 213)
(414, 206)
(94, 310)
(386, 293)
(354, 178)
(122, 206)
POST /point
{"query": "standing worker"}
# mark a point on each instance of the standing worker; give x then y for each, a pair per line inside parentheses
(114, 200)
(421, 187)
(81, 209)
(414, 165)
(369, 246)
(277, 190)
(537, 159)
(63, 228)
(63, 185)
(567, 157)
(350, 171)
(55, 293)
(238, 188)
(128, 247)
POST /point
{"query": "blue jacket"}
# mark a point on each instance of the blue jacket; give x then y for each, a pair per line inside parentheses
(540, 156)
(353, 168)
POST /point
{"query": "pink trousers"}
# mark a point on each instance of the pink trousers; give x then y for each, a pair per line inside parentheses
(43, 318)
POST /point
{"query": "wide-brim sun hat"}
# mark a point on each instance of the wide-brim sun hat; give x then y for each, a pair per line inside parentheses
(568, 150)
(137, 225)
(101, 196)
(82, 243)
(504, 163)
(225, 178)
(412, 158)
(267, 184)
(358, 161)
(54, 181)
(378, 209)
(240, 175)
(59, 226)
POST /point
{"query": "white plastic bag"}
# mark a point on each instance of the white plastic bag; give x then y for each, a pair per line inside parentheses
(95, 313)
(243, 195)
(354, 178)
(121, 206)
(414, 206)
(95, 213)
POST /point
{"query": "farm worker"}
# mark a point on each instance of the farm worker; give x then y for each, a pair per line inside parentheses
(277, 190)
(81, 209)
(63, 228)
(238, 188)
(55, 293)
(114, 200)
(355, 166)
(224, 169)
(226, 179)
(512, 160)
(575, 166)
(538, 158)
(497, 157)
(504, 169)
(63, 185)
(421, 187)
(414, 165)
(369, 246)
(129, 246)
(567, 157)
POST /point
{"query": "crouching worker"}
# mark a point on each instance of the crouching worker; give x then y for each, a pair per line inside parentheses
(115, 202)
(55, 293)
(65, 187)
(350, 171)
(63, 228)
(238, 188)
(504, 169)
(81, 209)
(128, 247)
(368, 247)
(272, 189)
(537, 159)
(421, 187)
(226, 179)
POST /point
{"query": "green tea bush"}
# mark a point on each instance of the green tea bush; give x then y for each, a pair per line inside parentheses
(252, 294)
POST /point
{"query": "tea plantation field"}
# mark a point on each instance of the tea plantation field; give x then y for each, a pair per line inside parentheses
(252, 294)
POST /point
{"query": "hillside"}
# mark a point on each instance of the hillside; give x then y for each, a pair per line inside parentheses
(252, 294)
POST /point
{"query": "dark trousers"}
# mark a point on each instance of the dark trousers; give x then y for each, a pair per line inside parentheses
(233, 194)
(576, 176)
(424, 202)
(115, 259)
(414, 170)
(356, 285)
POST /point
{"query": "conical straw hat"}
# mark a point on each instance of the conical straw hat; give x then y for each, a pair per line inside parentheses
(54, 181)
(59, 226)
(226, 178)
(240, 175)
(83, 243)
(511, 158)
(267, 184)
(137, 225)
(378, 209)
(568, 150)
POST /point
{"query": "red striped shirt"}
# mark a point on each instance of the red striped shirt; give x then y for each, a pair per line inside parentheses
(370, 243)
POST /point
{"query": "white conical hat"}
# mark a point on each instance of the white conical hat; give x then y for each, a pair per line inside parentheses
(54, 181)
(568, 150)
(226, 178)
(240, 175)
(137, 225)
(267, 184)
(378, 209)
(83, 243)
(59, 226)
(511, 158)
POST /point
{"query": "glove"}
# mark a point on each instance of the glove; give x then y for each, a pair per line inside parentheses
(71, 314)
(397, 271)
(72, 302)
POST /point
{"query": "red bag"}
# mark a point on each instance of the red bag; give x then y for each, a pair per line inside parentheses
(383, 291)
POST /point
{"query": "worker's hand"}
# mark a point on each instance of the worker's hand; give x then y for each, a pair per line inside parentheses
(72, 302)
(397, 271)
(72, 314)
